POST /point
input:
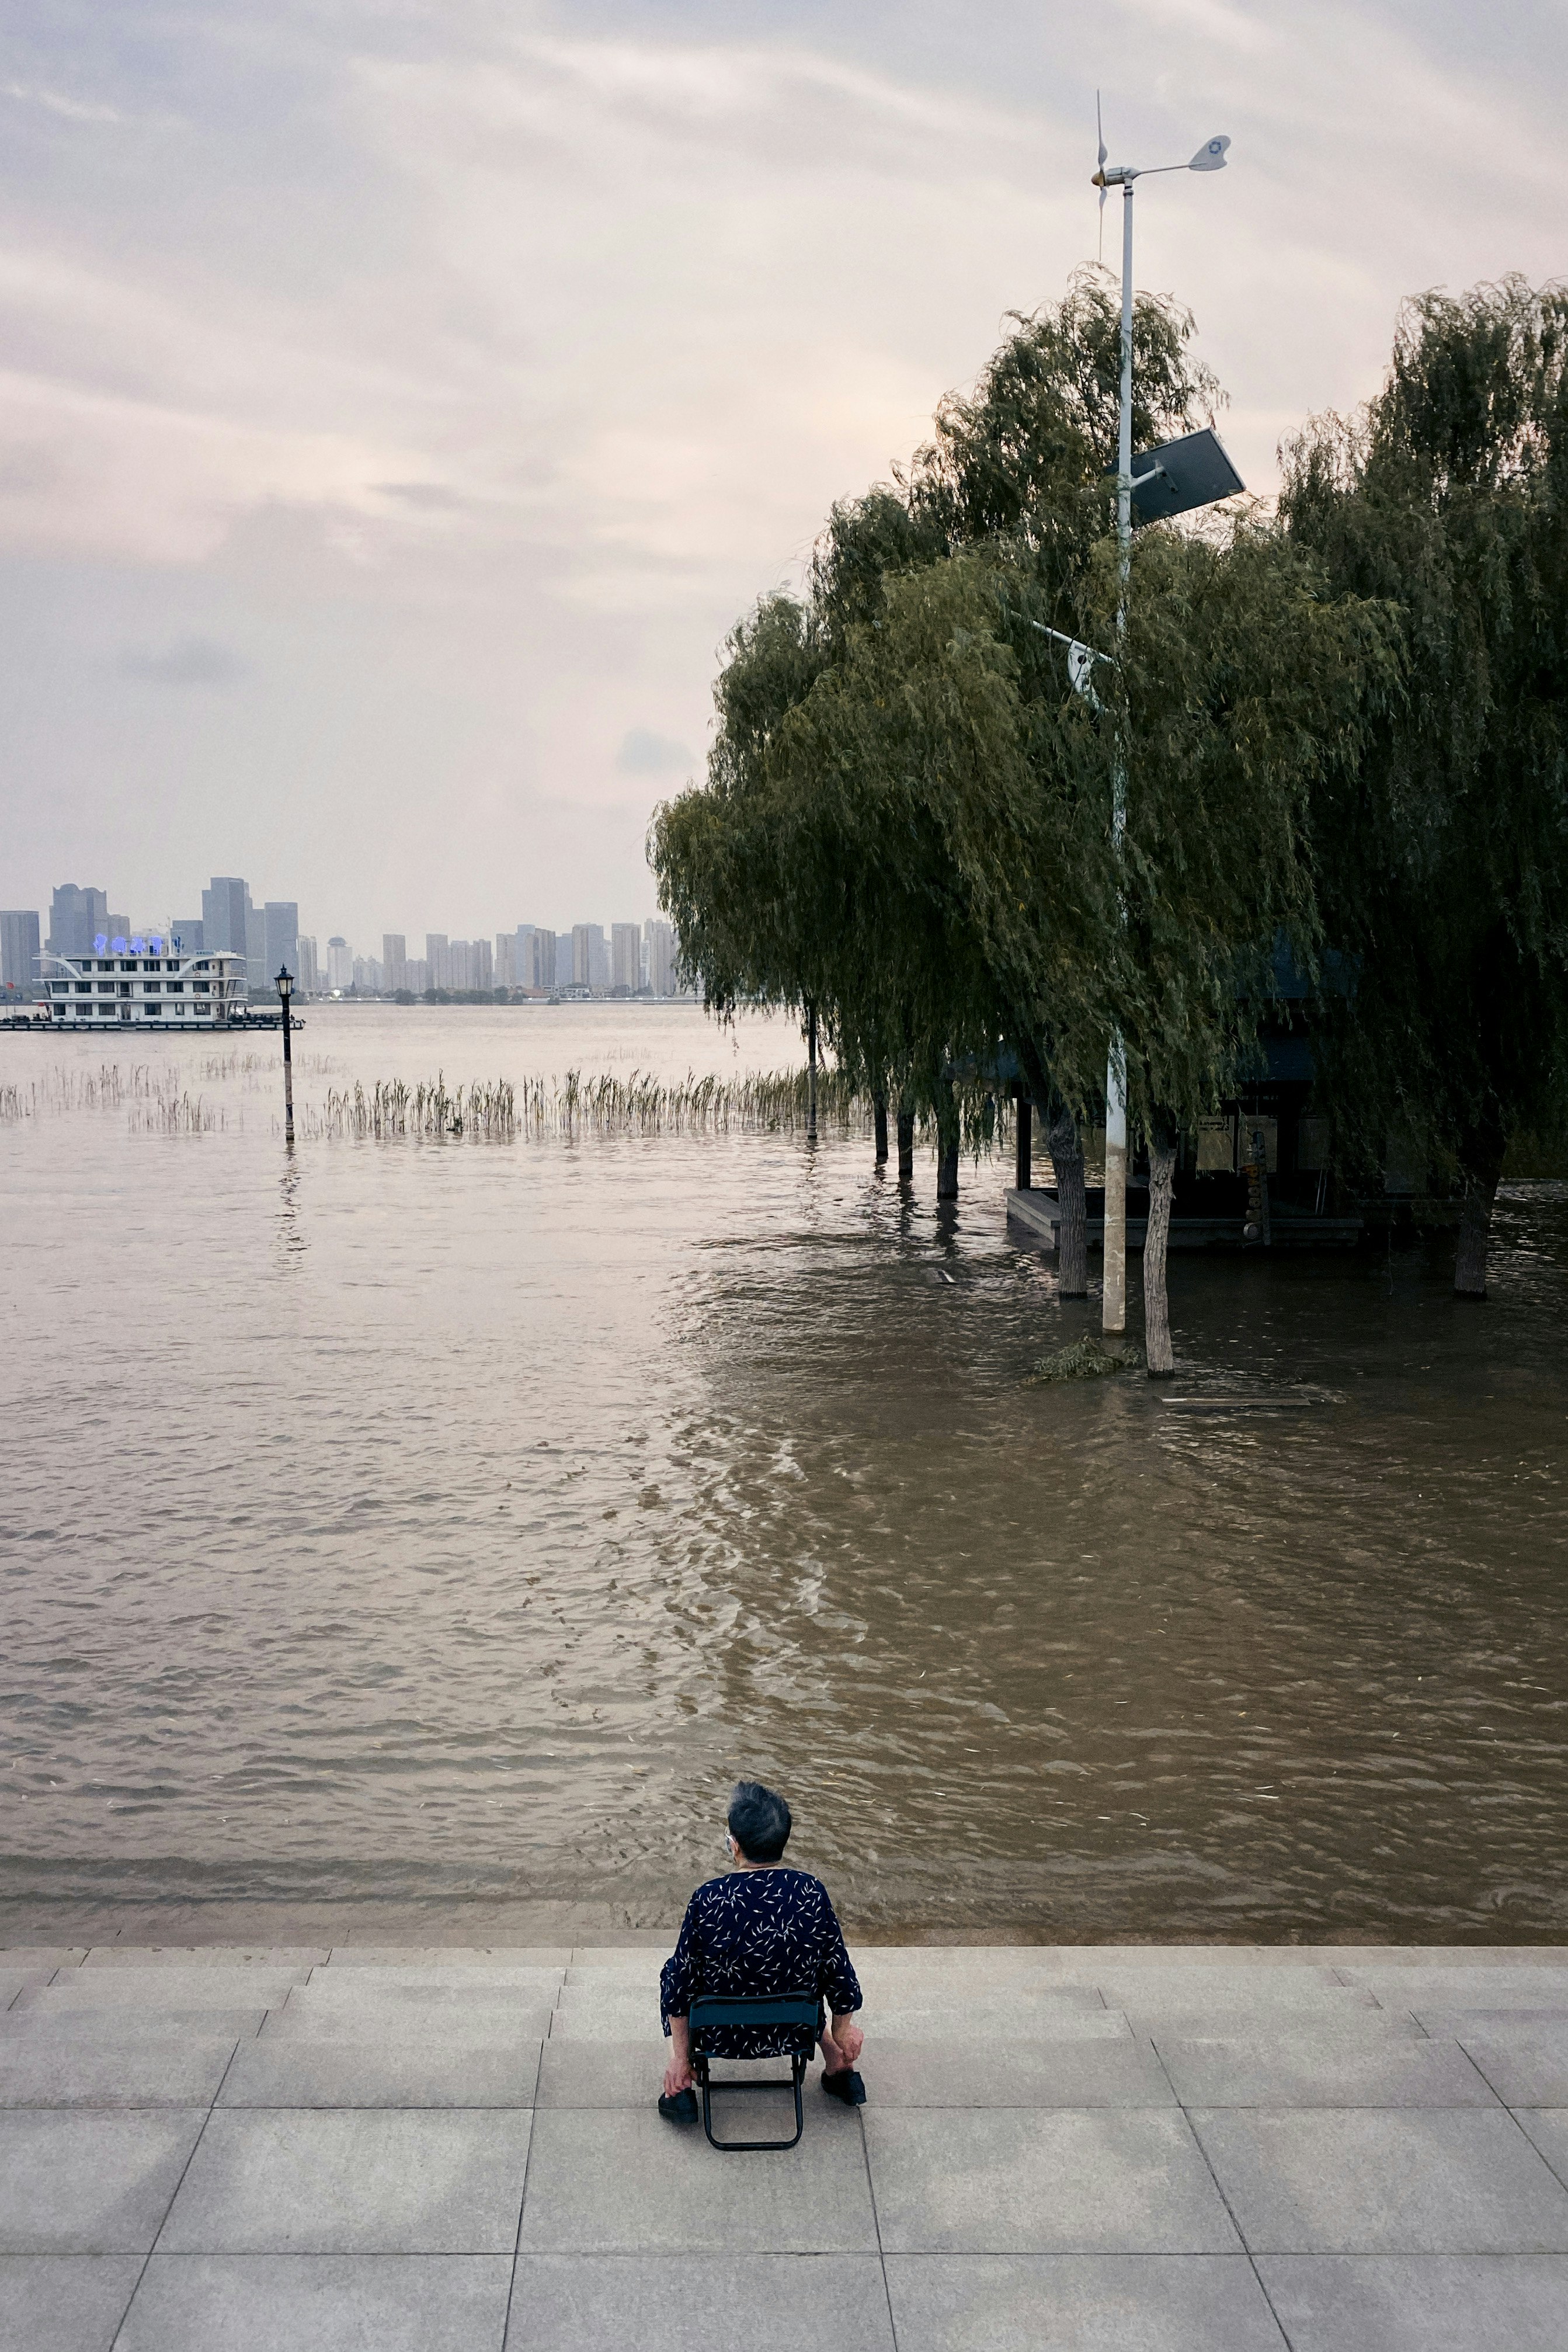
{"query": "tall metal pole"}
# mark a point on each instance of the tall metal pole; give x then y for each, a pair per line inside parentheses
(287, 1076)
(1114, 1314)
(811, 1074)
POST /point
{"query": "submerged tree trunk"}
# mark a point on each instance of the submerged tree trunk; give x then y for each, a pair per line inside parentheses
(811, 1074)
(1072, 1225)
(1024, 1158)
(878, 1112)
(1482, 1165)
(947, 1142)
(1160, 1359)
(906, 1146)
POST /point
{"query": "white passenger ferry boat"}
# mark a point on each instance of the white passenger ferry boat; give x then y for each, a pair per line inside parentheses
(146, 982)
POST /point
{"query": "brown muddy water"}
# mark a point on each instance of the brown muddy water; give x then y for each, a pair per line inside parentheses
(440, 1520)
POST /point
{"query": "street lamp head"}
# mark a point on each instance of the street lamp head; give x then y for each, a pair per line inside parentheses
(285, 984)
(1211, 156)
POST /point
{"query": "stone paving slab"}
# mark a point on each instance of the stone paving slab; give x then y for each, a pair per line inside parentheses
(670, 2302)
(170, 1987)
(319, 2302)
(64, 2303)
(1348, 2028)
(410, 2022)
(1547, 2128)
(74, 2183)
(291, 2071)
(446, 1956)
(609, 2181)
(35, 1959)
(1043, 2181)
(121, 2024)
(1297, 2070)
(1526, 2069)
(1079, 2302)
(1266, 1989)
(1465, 2024)
(473, 1981)
(295, 1959)
(373, 1995)
(1120, 2073)
(1421, 2181)
(1435, 2303)
(301, 2181)
(1517, 1987)
(47, 2070)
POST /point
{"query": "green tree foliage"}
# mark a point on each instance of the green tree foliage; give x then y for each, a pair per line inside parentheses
(1444, 850)
(906, 822)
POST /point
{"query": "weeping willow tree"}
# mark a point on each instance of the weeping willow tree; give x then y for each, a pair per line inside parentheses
(783, 891)
(907, 822)
(1444, 849)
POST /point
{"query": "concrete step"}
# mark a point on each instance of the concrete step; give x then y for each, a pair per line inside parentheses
(98, 2070)
(476, 1982)
(296, 1960)
(1469, 1988)
(438, 2069)
(170, 1988)
(377, 2001)
(109, 2027)
(450, 1955)
(1321, 2069)
(410, 2023)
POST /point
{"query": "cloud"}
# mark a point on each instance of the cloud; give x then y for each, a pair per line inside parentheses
(464, 372)
(643, 753)
(189, 661)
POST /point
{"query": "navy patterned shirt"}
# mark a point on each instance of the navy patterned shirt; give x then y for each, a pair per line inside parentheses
(757, 1931)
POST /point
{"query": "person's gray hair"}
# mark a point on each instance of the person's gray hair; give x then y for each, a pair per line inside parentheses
(759, 1821)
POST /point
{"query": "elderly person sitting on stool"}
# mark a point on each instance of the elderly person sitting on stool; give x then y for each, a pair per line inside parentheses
(764, 1928)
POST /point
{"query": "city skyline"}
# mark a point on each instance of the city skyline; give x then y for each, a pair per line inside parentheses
(525, 956)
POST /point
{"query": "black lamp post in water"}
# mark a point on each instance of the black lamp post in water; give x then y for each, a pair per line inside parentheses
(284, 985)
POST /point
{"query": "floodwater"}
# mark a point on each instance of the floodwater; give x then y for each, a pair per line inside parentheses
(442, 1518)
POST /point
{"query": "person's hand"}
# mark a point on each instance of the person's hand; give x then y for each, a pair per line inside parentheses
(677, 2077)
(842, 2045)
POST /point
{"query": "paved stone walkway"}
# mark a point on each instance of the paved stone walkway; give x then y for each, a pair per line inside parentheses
(1083, 2150)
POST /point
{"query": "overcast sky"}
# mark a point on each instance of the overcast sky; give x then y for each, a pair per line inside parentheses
(398, 403)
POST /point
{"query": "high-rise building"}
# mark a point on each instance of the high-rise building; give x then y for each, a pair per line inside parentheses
(395, 959)
(225, 904)
(536, 967)
(310, 975)
(460, 964)
(506, 966)
(370, 977)
(522, 958)
(626, 957)
(659, 947)
(484, 965)
(563, 954)
(590, 957)
(435, 956)
(281, 916)
(419, 978)
(19, 950)
(255, 949)
(76, 917)
(188, 934)
(339, 965)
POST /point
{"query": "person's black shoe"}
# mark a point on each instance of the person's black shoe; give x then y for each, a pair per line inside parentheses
(680, 2109)
(845, 2084)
